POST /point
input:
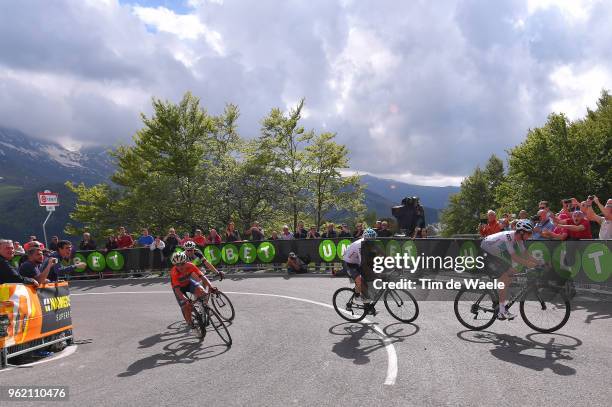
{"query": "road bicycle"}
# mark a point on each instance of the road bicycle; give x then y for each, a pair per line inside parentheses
(401, 304)
(544, 306)
(202, 316)
(222, 304)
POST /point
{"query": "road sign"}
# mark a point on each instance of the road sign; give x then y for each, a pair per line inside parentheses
(48, 198)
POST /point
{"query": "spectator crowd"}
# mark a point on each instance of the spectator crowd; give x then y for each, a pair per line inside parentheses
(574, 221)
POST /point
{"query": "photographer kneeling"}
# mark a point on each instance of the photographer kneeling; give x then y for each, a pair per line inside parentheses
(296, 265)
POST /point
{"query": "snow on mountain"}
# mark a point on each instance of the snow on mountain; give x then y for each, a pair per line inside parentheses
(25, 160)
(64, 157)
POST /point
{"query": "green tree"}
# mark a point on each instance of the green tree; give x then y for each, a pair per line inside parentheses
(96, 209)
(284, 138)
(465, 207)
(255, 187)
(168, 165)
(561, 159)
(169, 176)
(477, 195)
(330, 190)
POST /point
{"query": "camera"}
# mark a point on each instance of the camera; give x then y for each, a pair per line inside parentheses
(410, 215)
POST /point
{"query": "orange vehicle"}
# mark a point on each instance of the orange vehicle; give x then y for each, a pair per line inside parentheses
(32, 317)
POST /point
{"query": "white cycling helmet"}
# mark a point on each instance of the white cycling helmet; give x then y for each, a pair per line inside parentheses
(179, 258)
(369, 233)
(525, 225)
(189, 245)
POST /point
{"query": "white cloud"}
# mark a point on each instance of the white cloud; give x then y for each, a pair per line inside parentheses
(434, 180)
(419, 91)
(184, 26)
(572, 9)
(578, 89)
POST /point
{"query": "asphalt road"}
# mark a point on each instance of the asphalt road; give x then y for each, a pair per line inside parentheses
(291, 348)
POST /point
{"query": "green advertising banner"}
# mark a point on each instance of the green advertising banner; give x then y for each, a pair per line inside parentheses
(586, 261)
(80, 258)
(266, 252)
(96, 261)
(212, 254)
(115, 260)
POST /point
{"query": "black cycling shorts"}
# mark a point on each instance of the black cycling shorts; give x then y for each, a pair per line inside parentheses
(353, 270)
(191, 288)
(496, 266)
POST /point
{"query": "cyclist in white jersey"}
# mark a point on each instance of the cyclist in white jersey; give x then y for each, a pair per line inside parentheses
(352, 263)
(504, 246)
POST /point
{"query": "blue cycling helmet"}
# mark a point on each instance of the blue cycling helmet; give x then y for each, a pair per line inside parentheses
(369, 233)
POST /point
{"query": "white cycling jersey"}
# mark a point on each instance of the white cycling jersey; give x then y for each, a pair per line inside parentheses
(352, 254)
(503, 242)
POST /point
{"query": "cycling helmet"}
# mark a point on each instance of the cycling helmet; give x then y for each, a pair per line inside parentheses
(189, 245)
(369, 233)
(179, 258)
(525, 225)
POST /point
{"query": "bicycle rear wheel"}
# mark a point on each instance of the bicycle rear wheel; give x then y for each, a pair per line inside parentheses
(543, 312)
(223, 306)
(402, 305)
(219, 326)
(475, 310)
(347, 306)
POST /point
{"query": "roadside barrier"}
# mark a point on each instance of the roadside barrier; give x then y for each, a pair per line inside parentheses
(588, 262)
(33, 318)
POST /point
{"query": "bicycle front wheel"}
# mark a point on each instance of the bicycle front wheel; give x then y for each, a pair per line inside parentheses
(402, 305)
(475, 310)
(198, 322)
(219, 326)
(223, 306)
(544, 311)
(348, 306)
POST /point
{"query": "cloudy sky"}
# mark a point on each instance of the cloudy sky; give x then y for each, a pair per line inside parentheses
(420, 91)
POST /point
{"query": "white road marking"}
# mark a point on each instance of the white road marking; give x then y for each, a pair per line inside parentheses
(124, 292)
(66, 352)
(391, 354)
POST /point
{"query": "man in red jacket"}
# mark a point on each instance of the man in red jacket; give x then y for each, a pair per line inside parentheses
(124, 240)
(579, 228)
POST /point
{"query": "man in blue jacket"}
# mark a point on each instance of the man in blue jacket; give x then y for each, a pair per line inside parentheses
(64, 264)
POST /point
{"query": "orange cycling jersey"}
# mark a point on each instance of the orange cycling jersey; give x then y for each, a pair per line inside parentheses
(181, 279)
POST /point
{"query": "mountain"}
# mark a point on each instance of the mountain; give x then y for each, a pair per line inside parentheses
(29, 165)
(395, 191)
(26, 161)
(24, 217)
